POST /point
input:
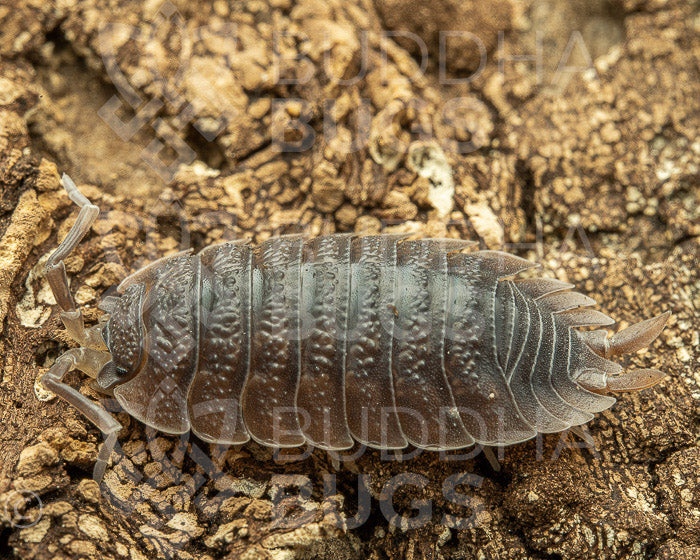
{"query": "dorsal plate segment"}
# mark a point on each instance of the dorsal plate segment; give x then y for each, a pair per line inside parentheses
(541, 287)
(585, 318)
(495, 264)
(559, 302)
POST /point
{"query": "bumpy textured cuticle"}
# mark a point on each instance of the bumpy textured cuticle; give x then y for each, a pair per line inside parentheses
(375, 339)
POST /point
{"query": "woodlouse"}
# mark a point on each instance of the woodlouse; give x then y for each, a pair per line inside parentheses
(338, 339)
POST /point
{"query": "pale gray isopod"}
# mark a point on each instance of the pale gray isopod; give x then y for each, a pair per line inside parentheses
(336, 339)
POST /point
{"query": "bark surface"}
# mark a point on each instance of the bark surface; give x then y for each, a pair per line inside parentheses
(192, 122)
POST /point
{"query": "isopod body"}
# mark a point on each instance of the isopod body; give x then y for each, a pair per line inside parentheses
(335, 339)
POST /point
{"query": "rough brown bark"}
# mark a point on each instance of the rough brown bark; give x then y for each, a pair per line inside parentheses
(593, 173)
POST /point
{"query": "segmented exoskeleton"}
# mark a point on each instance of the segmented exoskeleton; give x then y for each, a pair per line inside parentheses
(341, 338)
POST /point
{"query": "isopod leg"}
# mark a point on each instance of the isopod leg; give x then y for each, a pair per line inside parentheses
(584, 434)
(491, 457)
(71, 316)
(53, 380)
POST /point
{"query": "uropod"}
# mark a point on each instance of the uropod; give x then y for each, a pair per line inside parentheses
(339, 339)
